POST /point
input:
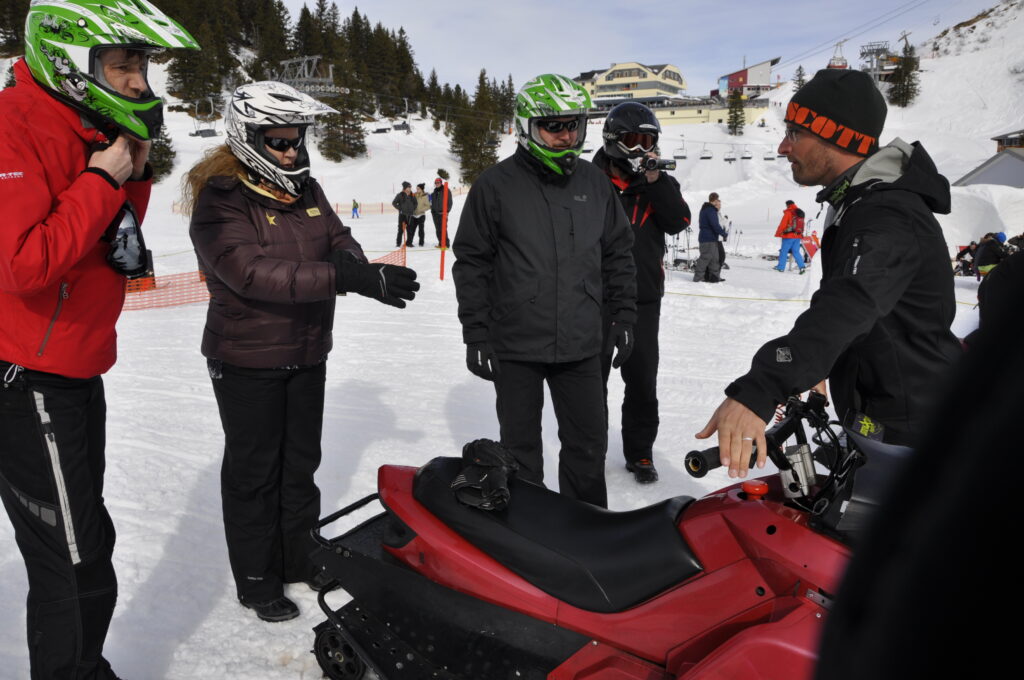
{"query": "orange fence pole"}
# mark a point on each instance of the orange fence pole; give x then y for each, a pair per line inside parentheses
(445, 202)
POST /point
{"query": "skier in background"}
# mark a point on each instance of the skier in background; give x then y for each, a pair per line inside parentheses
(791, 231)
(708, 267)
(438, 208)
(405, 203)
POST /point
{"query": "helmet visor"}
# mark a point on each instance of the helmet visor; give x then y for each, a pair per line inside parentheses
(124, 70)
(638, 142)
(559, 133)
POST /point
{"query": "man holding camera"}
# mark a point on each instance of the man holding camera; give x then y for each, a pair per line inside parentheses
(655, 207)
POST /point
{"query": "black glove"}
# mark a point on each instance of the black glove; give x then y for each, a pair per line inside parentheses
(620, 337)
(482, 361)
(388, 283)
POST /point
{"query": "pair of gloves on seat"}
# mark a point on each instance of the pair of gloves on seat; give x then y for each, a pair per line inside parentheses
(482, 361)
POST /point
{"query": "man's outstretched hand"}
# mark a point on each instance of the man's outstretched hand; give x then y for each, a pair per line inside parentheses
(739, 429)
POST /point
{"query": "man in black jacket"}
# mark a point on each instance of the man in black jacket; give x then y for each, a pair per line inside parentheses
(541, 242)
(655, 207)
(878, 326)
(438, 207)
(405, 203)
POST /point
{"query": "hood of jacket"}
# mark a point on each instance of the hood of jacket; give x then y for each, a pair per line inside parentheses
(896, 166)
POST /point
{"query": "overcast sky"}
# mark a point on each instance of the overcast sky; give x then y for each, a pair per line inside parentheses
(704, 38)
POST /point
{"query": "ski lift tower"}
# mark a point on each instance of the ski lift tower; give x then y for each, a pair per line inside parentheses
(877, 55)
(306, 74)
(838, 60)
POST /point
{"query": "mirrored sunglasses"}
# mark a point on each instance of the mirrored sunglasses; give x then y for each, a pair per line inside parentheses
(556, 126)
(280, 144)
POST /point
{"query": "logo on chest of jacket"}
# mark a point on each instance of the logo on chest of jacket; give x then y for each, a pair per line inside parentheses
(783, 355)
(16, 174)
(582, 198)
(313, 212)
(271, 220)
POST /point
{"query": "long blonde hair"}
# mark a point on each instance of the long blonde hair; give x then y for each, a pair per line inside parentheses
(217, 161)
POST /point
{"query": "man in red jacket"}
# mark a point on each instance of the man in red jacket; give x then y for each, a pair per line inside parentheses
(74, 139)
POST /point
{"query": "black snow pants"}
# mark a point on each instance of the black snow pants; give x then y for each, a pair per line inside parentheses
(404, 227)
(438, 223)
(416, 223)
(582, 425)
(640, 374)
(272, 421)
(52, 439)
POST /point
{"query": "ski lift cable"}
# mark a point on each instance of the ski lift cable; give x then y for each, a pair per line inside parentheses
(867, 26)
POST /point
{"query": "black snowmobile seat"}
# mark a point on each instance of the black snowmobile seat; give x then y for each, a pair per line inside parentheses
(589, 557)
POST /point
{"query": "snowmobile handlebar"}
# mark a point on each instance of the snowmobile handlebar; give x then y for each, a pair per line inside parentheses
(699, 463)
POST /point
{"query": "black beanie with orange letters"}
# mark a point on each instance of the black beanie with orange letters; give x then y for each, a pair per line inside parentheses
(841, 106)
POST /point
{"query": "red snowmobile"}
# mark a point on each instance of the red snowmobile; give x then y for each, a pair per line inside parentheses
(735, 584)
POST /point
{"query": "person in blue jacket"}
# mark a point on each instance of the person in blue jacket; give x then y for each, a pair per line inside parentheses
(709, 262)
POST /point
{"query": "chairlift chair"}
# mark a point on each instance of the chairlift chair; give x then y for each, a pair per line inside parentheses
(706, 154)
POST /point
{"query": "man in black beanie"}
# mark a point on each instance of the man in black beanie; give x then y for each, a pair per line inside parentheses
(878, 326)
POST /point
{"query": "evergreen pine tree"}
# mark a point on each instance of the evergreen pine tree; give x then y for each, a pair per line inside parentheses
(736, 118)
(193, 74)
(799, 77)
(308, 38)
(472, 132)
(9, 81)
(270, 39)
(12, 27)
(161, 155)
(342, 133)
(905, 87)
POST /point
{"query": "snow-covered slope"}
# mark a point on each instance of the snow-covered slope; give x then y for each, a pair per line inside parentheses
(397, 388)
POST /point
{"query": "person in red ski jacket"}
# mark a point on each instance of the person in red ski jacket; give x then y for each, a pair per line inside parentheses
(791, 231)
(74, 141)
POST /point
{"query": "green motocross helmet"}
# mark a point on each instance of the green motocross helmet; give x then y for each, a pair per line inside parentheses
(552, 96)
(63, 41)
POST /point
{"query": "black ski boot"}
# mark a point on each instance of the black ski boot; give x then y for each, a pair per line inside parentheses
(281, 609)
(643, 470)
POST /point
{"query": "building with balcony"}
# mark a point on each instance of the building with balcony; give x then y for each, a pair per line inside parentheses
(652, 85)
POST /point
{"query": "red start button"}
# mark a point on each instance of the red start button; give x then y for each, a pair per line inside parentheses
(755, 489)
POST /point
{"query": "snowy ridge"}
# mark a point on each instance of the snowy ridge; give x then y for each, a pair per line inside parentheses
(397, 388)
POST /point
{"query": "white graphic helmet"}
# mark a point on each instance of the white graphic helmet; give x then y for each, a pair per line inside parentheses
(258, 107)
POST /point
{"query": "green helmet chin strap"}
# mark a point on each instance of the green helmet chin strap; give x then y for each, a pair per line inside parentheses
(63, 39)
(551, 96)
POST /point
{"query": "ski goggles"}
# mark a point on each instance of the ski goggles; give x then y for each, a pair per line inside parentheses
(282, 144)
(638, 141)
(556, 126)
(128, 255)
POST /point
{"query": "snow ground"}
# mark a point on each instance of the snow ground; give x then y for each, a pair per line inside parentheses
(397, 389)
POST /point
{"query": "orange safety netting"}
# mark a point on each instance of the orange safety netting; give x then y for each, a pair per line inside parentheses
(150, 292)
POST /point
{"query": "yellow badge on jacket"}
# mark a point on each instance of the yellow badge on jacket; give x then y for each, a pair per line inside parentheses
(271, 220)
(313, 212)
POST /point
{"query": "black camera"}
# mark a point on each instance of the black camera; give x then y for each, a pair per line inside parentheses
(647, 164)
